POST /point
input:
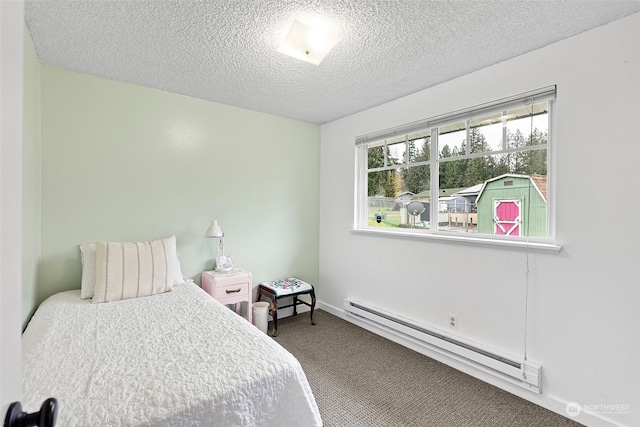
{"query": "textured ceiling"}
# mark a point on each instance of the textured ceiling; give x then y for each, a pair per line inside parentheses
(225, 51)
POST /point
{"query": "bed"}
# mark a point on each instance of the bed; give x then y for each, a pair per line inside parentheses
(170, 359)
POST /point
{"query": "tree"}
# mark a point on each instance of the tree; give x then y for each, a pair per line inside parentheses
(536, 161)
(458, 168)
(375, 159)
(447, 172)
(416, 178)
(516, 161)
(527, 162)
(380, 182)
(478, 142)
(478, 169)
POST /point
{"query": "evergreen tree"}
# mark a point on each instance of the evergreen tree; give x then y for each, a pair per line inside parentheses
(536, 161)
(416, 178)
(478, 142)
(517, 161)
(375, 159)
(459, 167)
(380, 182)
(478, 169)
(447, 172)
(445, 152)
(527, 162)
(502, 165)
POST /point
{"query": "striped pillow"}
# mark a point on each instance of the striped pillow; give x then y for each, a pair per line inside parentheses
(130, 270)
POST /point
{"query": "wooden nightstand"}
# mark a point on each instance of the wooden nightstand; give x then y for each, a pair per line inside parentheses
(229, 287)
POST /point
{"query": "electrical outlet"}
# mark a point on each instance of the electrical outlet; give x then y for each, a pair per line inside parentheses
(453, 321)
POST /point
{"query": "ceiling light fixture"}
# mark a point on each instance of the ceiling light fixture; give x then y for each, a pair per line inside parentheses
(306, 43)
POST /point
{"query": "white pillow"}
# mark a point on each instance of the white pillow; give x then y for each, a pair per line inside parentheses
(178, 278)
(88, 259)
(131, 270)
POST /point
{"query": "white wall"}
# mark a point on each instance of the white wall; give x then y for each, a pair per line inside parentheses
(583, 303)
(122, 162)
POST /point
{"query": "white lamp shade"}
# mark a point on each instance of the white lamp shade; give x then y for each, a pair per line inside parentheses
(214, 230)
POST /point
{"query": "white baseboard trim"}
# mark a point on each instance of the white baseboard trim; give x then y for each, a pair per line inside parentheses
(551, 403)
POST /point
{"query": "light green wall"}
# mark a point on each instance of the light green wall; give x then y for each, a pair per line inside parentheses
(122, 162)
(30, 179)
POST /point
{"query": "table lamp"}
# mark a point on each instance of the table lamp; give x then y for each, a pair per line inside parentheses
(214, 231)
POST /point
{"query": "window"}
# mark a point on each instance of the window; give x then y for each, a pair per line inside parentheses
(479, 173)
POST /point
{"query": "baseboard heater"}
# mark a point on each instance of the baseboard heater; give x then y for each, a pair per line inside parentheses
(521, 372)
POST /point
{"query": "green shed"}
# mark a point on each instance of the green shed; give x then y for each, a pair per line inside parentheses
(513, 205)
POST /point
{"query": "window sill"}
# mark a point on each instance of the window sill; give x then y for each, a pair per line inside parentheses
(542, 247)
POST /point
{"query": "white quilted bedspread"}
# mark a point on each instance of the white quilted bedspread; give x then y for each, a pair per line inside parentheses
(174, 359)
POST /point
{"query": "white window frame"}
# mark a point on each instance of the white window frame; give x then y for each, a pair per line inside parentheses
(361, 191)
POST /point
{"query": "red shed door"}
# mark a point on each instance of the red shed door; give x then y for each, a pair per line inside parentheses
(507, 218)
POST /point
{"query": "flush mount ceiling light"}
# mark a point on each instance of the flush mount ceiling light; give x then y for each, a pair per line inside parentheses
(306, 43)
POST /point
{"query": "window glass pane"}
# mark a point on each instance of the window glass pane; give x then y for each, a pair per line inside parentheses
(527, 126)
(451, 140)
(461, 174)
(416, 179)
(382, 212)
(486, 133)
(420, 146)
(382, 183)
(532, 162)
(502, 195)
(397, 149)
(416, 212)
(398, 191)
(375, 157)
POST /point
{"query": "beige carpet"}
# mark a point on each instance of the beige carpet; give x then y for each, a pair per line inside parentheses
(361, 379)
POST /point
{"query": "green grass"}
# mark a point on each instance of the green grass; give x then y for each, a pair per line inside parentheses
(390, 218)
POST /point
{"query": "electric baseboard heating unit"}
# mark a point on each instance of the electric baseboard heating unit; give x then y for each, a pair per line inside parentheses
(521, 372)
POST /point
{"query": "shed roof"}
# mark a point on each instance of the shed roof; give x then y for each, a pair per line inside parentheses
(442, 192)
(406, 193)
(470, 191)
(540, 182)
